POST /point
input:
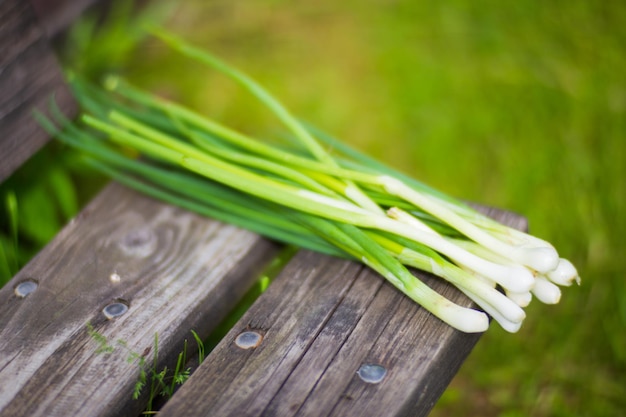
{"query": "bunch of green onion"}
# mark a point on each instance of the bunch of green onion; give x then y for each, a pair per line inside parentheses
(296, 192)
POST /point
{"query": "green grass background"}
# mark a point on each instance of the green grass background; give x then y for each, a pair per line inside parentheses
(519, 105)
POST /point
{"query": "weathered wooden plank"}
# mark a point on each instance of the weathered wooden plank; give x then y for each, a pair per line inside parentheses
(29, 76)
(57, 15)
(321, 320)
(176, 271)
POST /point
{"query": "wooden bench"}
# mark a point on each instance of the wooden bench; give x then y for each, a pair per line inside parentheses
(328, 337)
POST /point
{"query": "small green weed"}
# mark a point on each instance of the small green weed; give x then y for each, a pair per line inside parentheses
(161, 383)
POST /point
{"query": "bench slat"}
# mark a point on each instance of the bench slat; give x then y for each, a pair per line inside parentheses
(177, 272)
(56, 15)
(29, 76)
(321, 320)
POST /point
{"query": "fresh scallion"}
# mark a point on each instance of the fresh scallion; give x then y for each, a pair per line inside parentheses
(342, 203)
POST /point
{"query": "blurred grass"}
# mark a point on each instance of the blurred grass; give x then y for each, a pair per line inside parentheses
(38, 200)
(520, 106)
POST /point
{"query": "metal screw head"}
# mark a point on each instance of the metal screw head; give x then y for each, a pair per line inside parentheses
(115, 309)
(372, 373)
(24, 288)
(249, 339)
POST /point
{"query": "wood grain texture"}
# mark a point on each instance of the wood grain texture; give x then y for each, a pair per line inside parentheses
(176, 271)
(29, 77)
(321, 320)
(57, 15)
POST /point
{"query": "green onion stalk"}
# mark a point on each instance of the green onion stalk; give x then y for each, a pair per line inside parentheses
(342, 204)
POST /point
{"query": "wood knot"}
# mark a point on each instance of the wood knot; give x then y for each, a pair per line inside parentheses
(139, 243)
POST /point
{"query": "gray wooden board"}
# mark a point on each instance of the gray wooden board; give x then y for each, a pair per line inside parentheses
(29, 77)
(56, 15)
(321, 320)
(177, 272)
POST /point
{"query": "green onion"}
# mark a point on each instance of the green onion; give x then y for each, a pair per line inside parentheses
(342, 204)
